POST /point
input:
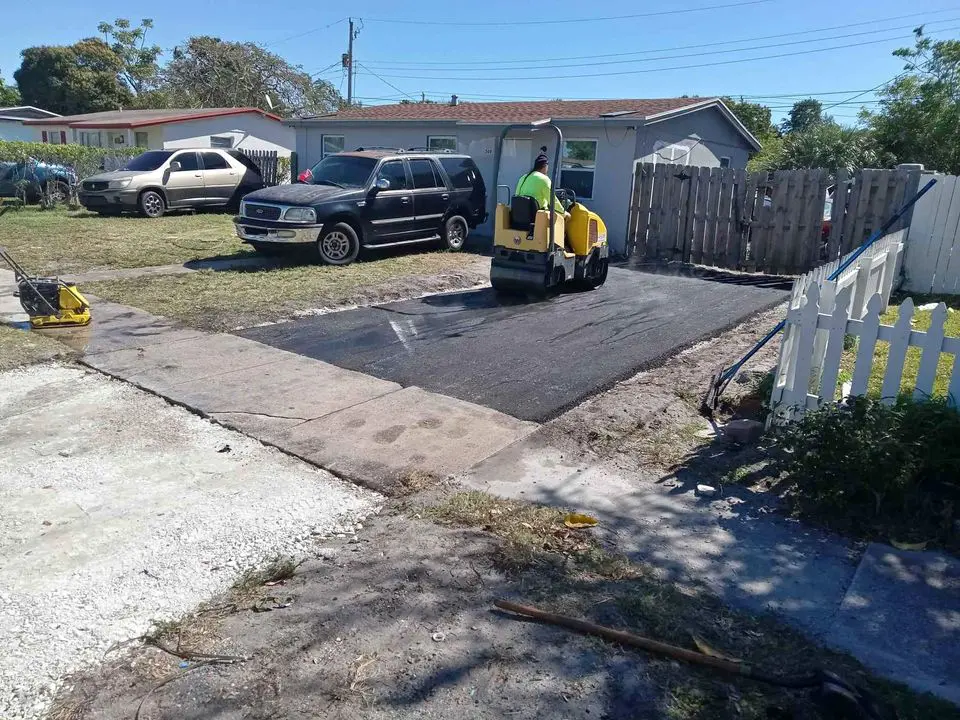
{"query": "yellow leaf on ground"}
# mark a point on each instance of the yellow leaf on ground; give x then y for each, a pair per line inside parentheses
(909, 546)
(579, 520)
(707, 650)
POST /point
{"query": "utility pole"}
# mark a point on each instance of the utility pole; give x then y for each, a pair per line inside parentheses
(348, 59)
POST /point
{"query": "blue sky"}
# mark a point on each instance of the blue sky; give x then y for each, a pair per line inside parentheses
(752, 48)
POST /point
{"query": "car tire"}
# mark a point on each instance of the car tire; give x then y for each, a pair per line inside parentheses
(338, 244)
(58, 192)
(454, 234)
(151, 204)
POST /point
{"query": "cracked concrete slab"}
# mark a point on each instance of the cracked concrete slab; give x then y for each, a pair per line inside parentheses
(379, 441)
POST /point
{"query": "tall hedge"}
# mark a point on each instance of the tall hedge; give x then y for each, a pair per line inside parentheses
(84, 160)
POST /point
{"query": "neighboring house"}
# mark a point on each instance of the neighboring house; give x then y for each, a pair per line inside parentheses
(242, 128)
(12, 121)
(603, 139)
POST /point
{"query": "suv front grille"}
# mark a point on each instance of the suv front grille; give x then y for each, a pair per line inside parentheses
(261, 212)
(95, 185)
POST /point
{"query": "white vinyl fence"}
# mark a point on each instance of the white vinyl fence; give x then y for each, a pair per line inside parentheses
(822, 313)
(932, 262)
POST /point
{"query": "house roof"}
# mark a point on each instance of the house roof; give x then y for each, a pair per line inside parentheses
(502, 113)
(25, 112)
(510, 112)
(141, 118)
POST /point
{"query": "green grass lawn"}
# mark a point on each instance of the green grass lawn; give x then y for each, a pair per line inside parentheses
(912, 363)
(25, 347)
(241, 298)
(60, 241)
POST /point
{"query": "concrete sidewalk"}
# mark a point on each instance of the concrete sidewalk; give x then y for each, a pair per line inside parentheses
(367, 430)
(897, 612)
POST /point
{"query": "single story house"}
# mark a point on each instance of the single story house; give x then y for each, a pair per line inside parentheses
(603, 141)
(244, 128)
(12, 121)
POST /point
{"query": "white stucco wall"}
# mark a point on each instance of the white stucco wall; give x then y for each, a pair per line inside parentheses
(16, 130)
(698, 138)
(250, 131)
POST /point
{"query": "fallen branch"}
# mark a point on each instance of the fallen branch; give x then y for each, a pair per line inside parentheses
(205, 658)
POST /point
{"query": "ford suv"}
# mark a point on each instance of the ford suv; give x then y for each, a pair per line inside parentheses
(368, 198)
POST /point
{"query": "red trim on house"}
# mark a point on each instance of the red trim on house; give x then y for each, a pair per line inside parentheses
(43, 136)
(116, 124)
(63, 137)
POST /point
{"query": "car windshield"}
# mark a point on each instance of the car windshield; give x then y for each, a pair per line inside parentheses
(149, 160)
(342, 171)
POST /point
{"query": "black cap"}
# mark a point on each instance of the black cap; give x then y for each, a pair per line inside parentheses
(541, 160)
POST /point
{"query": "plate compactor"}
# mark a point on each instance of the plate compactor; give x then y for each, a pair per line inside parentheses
(48, 301)
(541, 251)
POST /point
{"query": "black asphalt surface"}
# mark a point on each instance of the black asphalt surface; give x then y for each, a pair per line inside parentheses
(530, 359)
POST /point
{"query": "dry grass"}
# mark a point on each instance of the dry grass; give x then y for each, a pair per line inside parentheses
(226, 300)
(60, 241)
(570, 572)
(911, 365)
(25, 347)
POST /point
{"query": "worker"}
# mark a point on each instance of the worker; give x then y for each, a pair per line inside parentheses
(536, 184)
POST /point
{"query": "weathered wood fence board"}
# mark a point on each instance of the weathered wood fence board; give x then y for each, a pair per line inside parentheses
(932, 260)
(766, 222)
(269, 163)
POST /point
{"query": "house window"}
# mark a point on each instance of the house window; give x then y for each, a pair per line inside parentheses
(221, 141)
(724, 162)
(90, 139)
(53, 137)
(117, 139)
(331, 145)
(577, 166)
(441, 143)
(141, 139)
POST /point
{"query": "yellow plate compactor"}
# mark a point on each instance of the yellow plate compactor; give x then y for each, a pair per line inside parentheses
(540, 251)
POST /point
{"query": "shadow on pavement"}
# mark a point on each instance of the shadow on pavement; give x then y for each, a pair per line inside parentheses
(773, 282)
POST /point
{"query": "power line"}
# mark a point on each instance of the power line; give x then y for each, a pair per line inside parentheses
(398, 63)
(502, 23)
(877, 87)
(662, 69)
(305, 33)
(673, 57)
(359, 64)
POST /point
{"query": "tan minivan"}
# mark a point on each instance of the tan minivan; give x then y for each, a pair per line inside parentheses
(161, 180)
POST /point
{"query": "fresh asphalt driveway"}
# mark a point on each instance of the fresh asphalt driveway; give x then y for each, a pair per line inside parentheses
(531, 360)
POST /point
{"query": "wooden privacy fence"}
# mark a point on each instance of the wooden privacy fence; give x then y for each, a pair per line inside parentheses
(269, 163)
(759, 222)
(932, 262)
(819, 321)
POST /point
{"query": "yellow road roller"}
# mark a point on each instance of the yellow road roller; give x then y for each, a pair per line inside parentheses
(541, 251)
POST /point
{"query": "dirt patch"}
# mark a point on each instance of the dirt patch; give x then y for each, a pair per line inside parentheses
(25, 347)
(653, 419)
(229, 300)
(397, 622)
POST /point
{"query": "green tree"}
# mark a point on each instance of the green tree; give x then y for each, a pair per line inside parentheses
(210, 72)
(803, 115)
(72, 79)
(8, 95)
(139, 68)
(823, 145)
(755, 117)
(918, 118)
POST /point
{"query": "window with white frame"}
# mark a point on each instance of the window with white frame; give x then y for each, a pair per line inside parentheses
(90, 138)
(578, 163)
(221, 141)
(441, 143)
(331, 145)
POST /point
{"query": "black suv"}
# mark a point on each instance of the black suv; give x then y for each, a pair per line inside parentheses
(368, 198)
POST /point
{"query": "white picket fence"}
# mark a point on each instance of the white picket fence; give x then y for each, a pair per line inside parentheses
(822, 312)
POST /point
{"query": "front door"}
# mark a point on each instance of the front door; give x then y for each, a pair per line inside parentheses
(390, 212)
(219, 178)
(185, 186)
(430, 197)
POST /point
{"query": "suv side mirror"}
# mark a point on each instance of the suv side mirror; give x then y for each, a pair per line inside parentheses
(175, 166)
(381, 184)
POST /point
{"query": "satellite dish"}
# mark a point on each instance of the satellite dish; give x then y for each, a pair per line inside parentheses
(269, 101)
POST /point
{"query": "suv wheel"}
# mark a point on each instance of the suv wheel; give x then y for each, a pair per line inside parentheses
(455, 232)
(338, 244)
(151, 204)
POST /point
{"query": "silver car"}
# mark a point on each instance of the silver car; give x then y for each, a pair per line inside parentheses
(161, 180)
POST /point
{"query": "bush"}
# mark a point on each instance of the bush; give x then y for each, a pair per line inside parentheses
(84, 160)
(877, 471)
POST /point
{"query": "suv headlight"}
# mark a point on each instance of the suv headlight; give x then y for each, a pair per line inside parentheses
(119, 184)
(300, 214)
